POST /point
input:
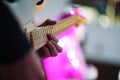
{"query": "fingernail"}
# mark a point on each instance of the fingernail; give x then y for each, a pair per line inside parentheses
(55, 54)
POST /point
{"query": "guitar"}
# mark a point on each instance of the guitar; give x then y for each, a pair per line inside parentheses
(24, 12)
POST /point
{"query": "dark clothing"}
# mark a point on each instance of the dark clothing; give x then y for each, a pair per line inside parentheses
(13, 43)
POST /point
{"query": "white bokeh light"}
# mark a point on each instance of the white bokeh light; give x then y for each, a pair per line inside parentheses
(71, 54)
(75, 63)
(72, 12)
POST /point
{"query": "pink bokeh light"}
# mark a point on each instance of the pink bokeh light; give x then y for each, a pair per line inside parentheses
(69, 64)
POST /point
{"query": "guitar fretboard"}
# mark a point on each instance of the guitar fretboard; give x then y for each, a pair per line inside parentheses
(39, 35)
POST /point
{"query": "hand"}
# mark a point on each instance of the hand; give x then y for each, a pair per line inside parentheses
(51, 48)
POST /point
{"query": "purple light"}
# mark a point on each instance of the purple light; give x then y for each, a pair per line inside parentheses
(70, 63)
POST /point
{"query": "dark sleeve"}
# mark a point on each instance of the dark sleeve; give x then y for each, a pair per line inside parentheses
(13, 43)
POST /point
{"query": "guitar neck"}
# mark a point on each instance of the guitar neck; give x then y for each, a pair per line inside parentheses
(38, 36)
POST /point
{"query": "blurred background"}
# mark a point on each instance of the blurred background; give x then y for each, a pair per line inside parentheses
(97, 41)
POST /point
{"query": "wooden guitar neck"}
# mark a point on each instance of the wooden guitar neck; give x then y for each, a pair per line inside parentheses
(38, 36)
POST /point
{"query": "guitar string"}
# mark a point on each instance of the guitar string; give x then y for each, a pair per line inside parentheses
(58, 28)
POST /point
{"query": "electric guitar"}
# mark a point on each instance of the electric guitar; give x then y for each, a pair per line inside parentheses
(24, 12)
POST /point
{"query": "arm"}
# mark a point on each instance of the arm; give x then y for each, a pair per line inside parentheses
(27, 68)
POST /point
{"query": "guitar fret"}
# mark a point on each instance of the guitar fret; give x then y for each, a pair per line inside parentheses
(40, 35)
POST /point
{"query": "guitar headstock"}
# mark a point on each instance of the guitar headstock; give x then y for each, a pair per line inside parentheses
(74, 11)
(24, 9)
(80, 16)
(81, 20)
